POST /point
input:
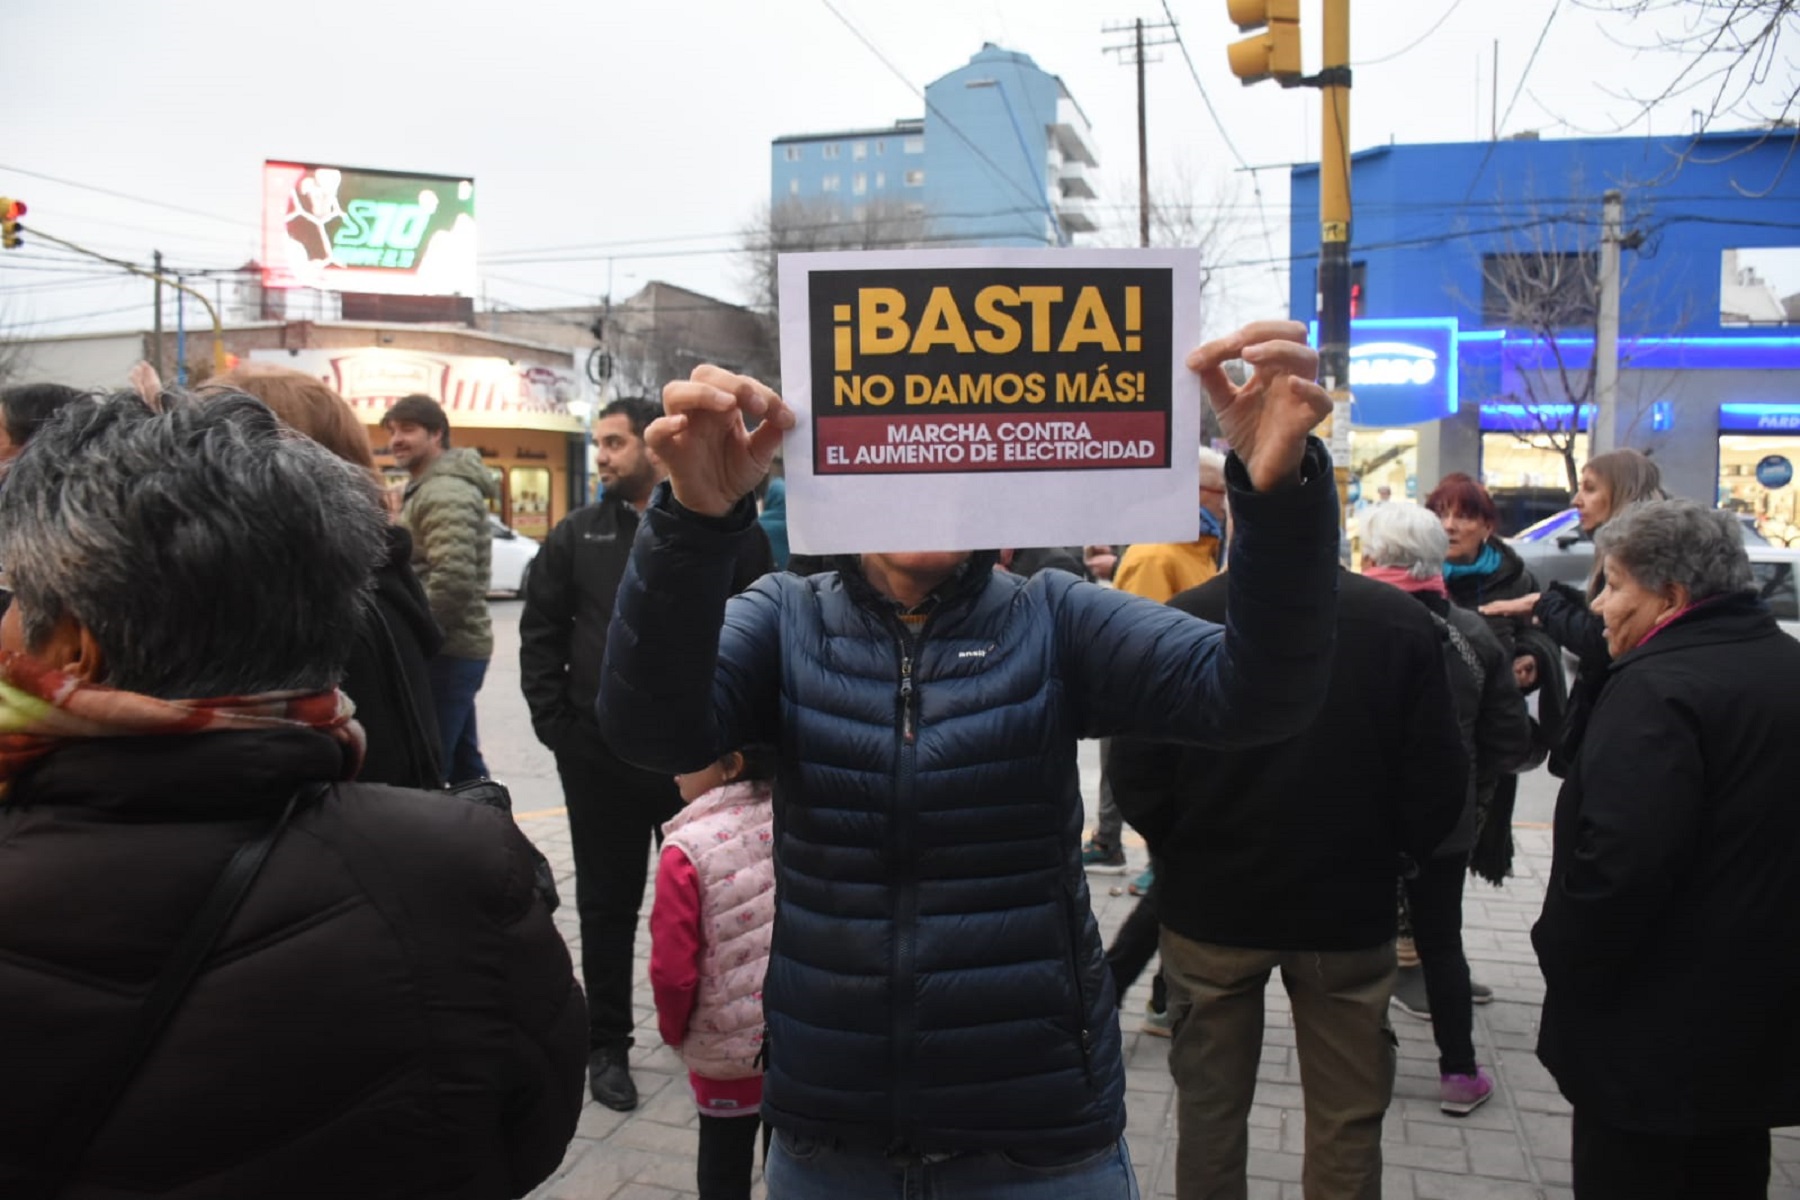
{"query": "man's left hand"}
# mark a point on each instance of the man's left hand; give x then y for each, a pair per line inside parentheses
(1268, 419)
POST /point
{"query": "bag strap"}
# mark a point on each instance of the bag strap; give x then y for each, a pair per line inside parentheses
(78, 1129)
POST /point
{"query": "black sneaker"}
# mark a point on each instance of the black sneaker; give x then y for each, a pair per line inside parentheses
(610, 1081)
(1102, 859)
(1480, 993)
(1409, 993)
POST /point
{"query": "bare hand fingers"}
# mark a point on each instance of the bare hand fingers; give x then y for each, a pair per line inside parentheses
(754, 397)
(1282, 356)
(687, 396)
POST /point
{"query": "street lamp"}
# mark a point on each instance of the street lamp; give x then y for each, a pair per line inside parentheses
(1031, 163)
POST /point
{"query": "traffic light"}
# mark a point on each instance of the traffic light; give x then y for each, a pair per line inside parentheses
(1272, 54)
(10, 212)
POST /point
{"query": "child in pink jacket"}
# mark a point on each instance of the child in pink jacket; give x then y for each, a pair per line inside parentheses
(709, 930)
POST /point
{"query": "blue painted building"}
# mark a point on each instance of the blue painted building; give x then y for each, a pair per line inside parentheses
(1474, 266)
(1002, 157)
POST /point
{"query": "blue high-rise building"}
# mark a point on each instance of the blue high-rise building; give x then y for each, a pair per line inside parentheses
(1002, 157)
(1474, 267)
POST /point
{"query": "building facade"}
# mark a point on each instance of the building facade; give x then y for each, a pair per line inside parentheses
(1475, 269)
(1002, 157)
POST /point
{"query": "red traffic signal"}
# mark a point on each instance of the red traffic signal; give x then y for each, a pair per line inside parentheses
(10, 212)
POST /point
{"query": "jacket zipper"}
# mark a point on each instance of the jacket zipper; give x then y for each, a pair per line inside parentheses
(1072, 926)
(907, 898)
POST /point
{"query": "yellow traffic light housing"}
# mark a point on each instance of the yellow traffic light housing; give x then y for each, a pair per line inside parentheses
(1272, 54)
(10, 212)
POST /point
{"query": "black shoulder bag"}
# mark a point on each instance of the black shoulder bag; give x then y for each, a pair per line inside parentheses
(77, 1131)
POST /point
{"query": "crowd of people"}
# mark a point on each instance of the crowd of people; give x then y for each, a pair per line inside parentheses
(246, 836)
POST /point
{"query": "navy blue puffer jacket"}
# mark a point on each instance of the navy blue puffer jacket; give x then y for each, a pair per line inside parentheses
(936, 980)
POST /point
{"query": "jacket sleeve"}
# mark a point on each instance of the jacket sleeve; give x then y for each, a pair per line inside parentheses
(1625, 843)
(675, 944)
(1148, 670)
(549, 1020)
(689, 675)
(546, 633)
(449, 521)
(755, 558)
(1432, 782)
(1504, 742)
(1566, 617)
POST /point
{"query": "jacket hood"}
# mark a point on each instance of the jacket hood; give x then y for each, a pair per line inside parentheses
(461, 463)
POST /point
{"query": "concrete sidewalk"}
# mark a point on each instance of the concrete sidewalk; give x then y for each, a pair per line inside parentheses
(1516, 1147)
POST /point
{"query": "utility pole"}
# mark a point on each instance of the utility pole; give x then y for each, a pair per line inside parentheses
(1136, 51)
(156, 358)
(1333, 81)
(1602, 431)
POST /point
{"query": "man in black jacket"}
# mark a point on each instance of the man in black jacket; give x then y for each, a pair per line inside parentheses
(614, 807)
(1286, 856)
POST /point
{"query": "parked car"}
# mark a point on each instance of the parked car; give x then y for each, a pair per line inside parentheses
(1555, 551)
(513, 552)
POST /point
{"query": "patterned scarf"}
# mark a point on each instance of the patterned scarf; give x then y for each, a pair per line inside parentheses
(42, 709)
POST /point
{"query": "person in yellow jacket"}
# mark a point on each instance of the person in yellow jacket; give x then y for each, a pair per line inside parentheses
(1161, 570)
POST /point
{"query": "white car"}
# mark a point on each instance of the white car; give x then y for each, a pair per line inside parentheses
(513, 552)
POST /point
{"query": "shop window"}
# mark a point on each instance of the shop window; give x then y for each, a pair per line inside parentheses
(1549, 290)
(1760, 286)
(530, 494)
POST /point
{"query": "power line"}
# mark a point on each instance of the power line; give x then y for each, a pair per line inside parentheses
(1412, 45)
(1523, 76)
(89, 187)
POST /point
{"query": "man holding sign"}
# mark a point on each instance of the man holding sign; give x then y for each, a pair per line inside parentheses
(937, 1001)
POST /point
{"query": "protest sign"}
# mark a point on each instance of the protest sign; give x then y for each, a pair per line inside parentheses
(977, 399)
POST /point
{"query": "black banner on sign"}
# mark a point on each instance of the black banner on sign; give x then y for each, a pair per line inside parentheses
(990, 369)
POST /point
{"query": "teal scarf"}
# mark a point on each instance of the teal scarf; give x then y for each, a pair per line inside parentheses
(1486, 563)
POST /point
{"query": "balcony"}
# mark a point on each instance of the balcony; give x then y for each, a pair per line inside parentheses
(1072, 177)
(1072, 134)
(1075, 215)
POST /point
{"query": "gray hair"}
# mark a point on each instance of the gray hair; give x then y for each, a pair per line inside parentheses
(1406, 535)
(209, 551)
(1664, 542)
(1212, 464)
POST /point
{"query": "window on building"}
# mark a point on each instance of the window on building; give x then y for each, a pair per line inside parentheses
(1540, 290)
(915, 179)
(793, 187)
(829, 183)
(859, 150)
(913, 145)
(791, 153)
(859, 183)
(880, 180)
(880, 147)
(829, 151)
(1760, 286)
(859, 213)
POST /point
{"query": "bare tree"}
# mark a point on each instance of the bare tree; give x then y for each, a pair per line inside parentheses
(1732, 66)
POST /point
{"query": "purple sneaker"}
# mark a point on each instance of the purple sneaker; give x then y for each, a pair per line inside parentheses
(1460, 1095)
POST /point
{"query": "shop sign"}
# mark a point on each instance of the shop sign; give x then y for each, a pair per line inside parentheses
(1402, 372)
(372, 378)
(345, 229)
(1759, 418)
(1775, 471)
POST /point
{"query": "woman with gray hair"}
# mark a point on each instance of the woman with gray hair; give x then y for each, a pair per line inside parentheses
(224, 969)
(1676, 838)
(1405, 545)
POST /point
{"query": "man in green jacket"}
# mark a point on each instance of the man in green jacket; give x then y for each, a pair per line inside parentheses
(447, 510)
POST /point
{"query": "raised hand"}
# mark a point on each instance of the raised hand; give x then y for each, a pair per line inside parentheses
(712, 457)
(1267, 419)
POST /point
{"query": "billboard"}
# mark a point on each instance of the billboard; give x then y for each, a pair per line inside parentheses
(344, 229)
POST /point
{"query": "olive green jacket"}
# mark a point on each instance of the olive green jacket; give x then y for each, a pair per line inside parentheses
(446, 509)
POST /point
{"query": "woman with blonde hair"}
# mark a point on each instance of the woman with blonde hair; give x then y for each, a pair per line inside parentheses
(386, 676)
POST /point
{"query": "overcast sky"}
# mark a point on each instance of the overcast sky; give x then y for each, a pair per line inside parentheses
(630, 142)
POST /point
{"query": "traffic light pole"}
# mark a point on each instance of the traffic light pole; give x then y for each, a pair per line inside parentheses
(220, 364)
(1334, 235)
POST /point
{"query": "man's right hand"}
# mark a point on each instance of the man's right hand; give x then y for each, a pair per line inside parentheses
(712, 457)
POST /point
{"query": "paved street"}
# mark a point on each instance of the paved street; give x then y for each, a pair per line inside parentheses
(1514, 1148)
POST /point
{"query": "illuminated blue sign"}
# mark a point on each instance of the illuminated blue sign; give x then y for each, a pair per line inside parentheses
(1759, 418)
(1502, 416)
(1402, 372)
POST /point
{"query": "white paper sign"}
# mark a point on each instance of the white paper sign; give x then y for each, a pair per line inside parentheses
(983, 399)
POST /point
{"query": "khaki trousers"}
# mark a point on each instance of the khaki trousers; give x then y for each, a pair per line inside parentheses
(1347, 1056)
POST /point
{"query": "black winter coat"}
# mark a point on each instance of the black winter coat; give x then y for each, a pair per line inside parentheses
(387, 677)
(569, 595)
(937, 979)
(1297, 845)
(1564, 614)
(1677, 835)
(1507, 582)
(390, 1014)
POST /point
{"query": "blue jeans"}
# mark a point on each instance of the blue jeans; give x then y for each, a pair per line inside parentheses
(798, 1167)
(454, 682)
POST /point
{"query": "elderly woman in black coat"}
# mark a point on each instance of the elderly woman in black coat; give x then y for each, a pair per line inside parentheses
(1676, 839)
(225, 969)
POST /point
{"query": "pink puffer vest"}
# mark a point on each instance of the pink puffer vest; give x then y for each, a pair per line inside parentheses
(728, 835)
